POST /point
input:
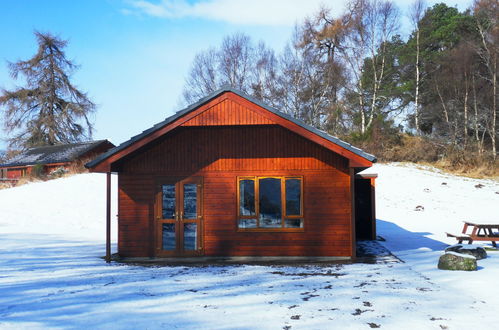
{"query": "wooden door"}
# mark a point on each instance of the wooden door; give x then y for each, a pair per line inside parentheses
(179, 218)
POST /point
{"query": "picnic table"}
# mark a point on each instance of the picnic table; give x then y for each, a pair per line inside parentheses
(473, 231)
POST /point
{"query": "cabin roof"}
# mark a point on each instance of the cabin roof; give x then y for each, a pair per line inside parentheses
(192, 107)
(60, 153)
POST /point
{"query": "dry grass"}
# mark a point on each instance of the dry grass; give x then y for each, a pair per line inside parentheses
(476, 168)
(427, 151)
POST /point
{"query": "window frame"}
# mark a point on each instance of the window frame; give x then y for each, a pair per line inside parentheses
(282, 179)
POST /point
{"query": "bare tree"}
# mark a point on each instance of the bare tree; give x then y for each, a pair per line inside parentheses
(203, 77)
(236, 58)
(486, 13)
(237, 63)
(49, 110)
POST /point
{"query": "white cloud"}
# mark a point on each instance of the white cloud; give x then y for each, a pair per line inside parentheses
(255, 12)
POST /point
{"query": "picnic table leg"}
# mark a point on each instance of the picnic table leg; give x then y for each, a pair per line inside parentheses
(465, 228)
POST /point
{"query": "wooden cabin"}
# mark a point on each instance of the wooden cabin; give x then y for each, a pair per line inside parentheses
(231, 176)
(52, 157)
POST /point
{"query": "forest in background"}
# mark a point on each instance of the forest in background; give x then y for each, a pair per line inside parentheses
(429, 97)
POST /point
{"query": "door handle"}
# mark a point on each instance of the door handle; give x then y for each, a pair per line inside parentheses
(181, 215)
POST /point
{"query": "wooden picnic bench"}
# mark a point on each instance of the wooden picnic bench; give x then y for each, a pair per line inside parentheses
(478, 232)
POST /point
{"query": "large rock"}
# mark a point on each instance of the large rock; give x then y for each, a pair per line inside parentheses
(456, 261)
(473, 250)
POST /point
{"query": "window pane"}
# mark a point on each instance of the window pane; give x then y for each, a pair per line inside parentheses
(190, 201)
(168, 201)
(247, 223)
(190, 236)
(247, 197)
(293, 197)
(168, 236)
(293, 223)
(270, 203)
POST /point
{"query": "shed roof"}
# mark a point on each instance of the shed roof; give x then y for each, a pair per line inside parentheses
(60, 153)
(215, 94)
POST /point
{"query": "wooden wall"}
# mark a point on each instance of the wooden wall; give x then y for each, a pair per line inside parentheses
(221, 153)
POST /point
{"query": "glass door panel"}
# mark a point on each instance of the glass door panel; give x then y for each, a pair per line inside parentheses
(169, 239)
(190, 201)
(168, 201)
(190, 236)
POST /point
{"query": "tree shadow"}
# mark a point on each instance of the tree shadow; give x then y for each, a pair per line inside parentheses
(399, 239)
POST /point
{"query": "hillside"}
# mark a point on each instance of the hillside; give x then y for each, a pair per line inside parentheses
(51, 276)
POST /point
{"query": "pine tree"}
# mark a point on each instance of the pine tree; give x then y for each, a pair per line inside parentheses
(49, 109)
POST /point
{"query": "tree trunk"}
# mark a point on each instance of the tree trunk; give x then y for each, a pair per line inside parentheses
(494, 107)
(475, 107)
(416, 96)
(446, 113)
(465, 109)
(362, 113)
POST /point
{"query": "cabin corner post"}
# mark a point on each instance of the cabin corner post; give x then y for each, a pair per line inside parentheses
(352, 218)
(108, 217)
(373, 208)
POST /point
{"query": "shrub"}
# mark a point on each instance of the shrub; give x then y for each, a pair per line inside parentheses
(38, 171)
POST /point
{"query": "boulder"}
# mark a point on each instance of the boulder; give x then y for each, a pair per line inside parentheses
(456, 261)
(473, 250)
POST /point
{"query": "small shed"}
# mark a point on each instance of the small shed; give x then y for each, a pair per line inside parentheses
(231, 176)
(52, 157)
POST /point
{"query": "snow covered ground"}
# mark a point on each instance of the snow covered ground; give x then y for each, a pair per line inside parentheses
(51, 276)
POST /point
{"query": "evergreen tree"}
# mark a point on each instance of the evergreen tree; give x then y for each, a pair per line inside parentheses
(49, 109)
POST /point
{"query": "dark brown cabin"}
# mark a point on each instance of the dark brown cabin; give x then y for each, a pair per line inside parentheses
(230, 176)
(51, 158)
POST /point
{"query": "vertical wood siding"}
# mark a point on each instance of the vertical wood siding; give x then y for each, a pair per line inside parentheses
(228, 112)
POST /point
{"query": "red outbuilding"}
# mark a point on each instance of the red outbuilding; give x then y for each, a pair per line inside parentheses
(52, 157)
(231, 176)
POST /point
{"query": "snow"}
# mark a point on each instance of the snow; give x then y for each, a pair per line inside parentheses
(460, 255)
(466, 246)
(52, 276)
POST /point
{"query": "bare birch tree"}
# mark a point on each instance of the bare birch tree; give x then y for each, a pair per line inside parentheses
(416, 12)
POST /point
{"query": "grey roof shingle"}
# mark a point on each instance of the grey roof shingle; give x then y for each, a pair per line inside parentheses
(52, 154)
(211, 96)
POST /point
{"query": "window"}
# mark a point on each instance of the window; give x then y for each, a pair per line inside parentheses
(270, 203)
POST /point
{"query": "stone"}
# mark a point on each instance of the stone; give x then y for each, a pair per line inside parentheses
(456, 261)
(473, 250)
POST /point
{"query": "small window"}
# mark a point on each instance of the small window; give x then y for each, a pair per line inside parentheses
(270, 203)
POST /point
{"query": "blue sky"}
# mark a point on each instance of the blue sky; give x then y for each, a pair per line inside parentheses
(135, 54)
